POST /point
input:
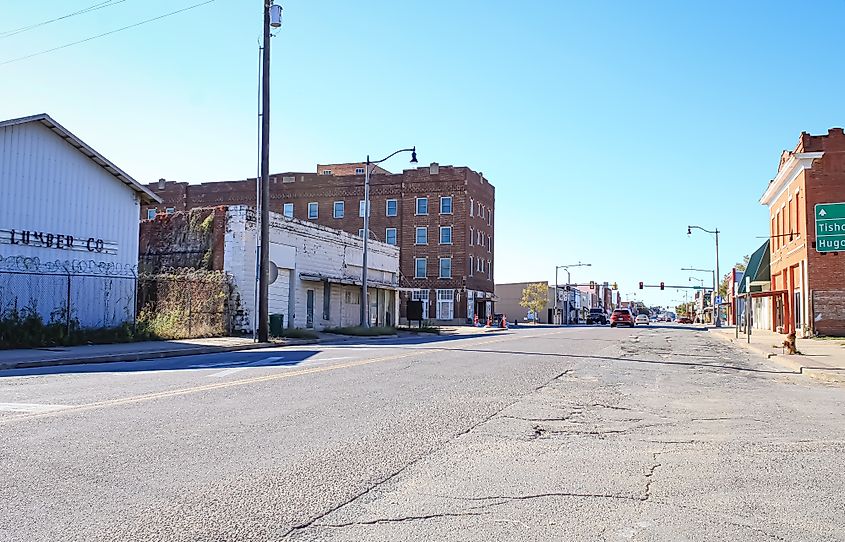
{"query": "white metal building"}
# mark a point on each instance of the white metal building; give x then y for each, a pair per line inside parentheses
(319, 272)
(68, 226)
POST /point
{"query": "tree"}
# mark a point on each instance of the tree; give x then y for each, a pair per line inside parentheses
(535, 297)
(723, 286)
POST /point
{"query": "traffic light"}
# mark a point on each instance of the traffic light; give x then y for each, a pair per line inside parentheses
(615, 286)
(661, 284)
(592, 285)
(641, 285)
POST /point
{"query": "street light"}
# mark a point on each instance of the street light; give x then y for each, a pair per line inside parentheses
(365, 305)
(717, 318)
(701, 281)
(712, 272)
(568, 280)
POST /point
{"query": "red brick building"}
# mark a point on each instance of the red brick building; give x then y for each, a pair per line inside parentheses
(808, 286)
(441, 217)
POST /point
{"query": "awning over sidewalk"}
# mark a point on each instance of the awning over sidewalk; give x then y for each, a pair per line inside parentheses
(349, 281)
(758, 268)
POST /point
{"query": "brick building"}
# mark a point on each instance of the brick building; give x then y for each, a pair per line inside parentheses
(441, 217)
(808, 287)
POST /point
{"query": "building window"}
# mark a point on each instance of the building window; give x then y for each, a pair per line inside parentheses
(489, 270)
(445, 235)
(359, 171)
(169, 211)
(471, 207)
(327, 172)
(287, 210)
(361, 208)
(479, 240)
(446, 205)
(313, 210)
(489, 244)
(392, 207)
(422, 236)
(339, 209)
(490, 218)
(390, 236)
(151, 213)
(471, 236)
(422, 206)
(420, 265)
(445, 268)
(470, 266)
(445, 304)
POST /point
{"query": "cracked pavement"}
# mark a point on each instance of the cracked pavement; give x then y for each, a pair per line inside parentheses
(660, 433)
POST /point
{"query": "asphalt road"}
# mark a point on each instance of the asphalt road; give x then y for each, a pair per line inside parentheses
(535, 434)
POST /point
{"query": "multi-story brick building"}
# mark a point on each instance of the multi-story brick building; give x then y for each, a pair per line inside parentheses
(808, 286)
(441, 217)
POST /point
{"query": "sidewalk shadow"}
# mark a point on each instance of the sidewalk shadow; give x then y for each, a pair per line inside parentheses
(228, 360)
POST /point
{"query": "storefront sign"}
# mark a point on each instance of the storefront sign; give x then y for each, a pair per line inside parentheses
(58, 241)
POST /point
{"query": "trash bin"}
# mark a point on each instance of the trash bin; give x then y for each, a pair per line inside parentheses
(277, 324)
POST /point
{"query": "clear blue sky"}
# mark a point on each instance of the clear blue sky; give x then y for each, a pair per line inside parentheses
(605, 127)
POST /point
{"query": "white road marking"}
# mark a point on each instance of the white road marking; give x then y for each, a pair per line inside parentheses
(30, 408)
(233, 370)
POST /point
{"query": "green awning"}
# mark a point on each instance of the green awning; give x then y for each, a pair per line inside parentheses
(758, 267)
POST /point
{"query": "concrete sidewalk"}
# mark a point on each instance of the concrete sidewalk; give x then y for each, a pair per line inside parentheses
(106, 353)
(820, 358)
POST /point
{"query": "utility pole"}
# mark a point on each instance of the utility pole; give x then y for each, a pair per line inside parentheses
(365, 305)
(717, 318)
(264, 200)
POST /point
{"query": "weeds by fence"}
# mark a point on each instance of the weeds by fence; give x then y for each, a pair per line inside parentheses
(185, 303)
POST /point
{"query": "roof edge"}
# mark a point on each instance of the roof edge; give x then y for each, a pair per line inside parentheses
(146, 195)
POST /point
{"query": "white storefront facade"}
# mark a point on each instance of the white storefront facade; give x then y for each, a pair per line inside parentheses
(319, 272)
(68, 227)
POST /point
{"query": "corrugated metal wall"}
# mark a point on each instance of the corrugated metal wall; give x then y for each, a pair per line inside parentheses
(46, 185)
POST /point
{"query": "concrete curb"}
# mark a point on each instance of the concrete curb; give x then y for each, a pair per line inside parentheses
(789, 362)
(138, 356)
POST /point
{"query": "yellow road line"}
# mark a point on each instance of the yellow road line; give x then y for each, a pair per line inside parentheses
(233, 383)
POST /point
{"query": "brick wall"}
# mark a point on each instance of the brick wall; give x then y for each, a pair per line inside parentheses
(829, 312)
(192, 239)
(825, 184)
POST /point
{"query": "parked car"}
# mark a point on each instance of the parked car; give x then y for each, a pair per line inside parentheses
(621, 317)
(597, 316)
(641, 319)
(683, 320)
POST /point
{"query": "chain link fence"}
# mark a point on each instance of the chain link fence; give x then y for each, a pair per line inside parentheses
(75, 302)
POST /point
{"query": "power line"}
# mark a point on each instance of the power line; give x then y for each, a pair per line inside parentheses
(95, 7)
(66, 45)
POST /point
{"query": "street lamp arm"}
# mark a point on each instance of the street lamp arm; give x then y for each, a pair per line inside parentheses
(388, 157)
(702, 229)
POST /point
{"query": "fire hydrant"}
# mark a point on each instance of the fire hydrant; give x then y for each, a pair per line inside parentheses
(504, 322)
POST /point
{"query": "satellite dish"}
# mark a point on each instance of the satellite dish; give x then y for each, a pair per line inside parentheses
(274, 272)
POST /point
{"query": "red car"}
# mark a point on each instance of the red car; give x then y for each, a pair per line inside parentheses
(621, 317)
(683, 320)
